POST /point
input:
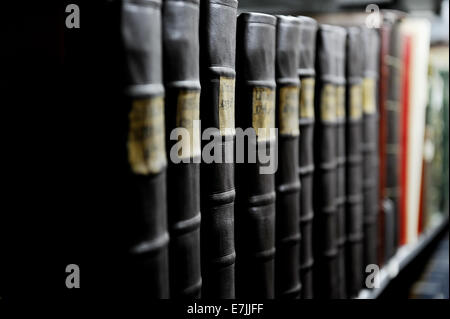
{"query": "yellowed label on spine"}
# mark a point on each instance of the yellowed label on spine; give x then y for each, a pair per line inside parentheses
(188, 115)
(226, 106)
(263, 115)
(307, 98)
(146, 136)
(355, 101)
(288, 111)
(328, 103)
(369, 96)
(340, 102)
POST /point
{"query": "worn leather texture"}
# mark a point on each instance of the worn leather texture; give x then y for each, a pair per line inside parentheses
(393, 131)
(287, 282)
(354, 206)
(255, 216)
(146, 219)
(370, 47)
(325, 173)
(340, 56)
(385, 32)
(181, 77)
(306, 74)
(217, 61)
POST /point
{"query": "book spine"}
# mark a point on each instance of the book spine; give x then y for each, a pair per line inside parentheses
(146, 221)
(306, 73)
(287, 284)
(385, 31)
(324, 193)
(340, 161)
(255, 221)
(182, 84)
(417, 30)
(217, 67)
(354, 208)
(393, 107)
(405, 101)
(370, 144)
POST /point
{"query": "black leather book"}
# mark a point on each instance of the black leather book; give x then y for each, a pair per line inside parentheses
(287, 283)
(146, 219)
(306, 73)
(182, 84)
(371, 52)
(388, 119)
(340, 54)
(393, 119)
(255, 108)
(324, 193)
(217, 75)
(385, 32)
(353, 177)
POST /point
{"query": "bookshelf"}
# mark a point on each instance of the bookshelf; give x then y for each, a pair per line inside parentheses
(405, 256)
(331, 6)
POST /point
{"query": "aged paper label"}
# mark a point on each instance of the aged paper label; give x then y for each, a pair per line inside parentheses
(146, 136)
(307, 98)
(355, 101)
(188, 111)
(288, 111)
(263, 115)
(369, 96)
(226, 106)
(328, 103)
(340, 102)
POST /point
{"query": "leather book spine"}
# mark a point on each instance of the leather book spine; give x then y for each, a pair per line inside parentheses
(354, 206)
(324, 191)
(255, 218)
(287, 239)
(306, 73)
(182, 84)
(340, 39)
(385, 31)
(392, 189)
(217, 109)
(371, 49)
(146, 221)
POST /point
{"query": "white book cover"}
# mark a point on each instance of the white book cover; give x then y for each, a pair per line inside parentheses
(418, 29)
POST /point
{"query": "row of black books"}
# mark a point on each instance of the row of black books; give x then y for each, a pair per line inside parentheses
(222, 229)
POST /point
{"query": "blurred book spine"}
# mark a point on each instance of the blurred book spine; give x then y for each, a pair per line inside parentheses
(354, 207)
(370, 47)
(306, 73)
(325, 221)
(217, 110)
(180, 21)
(341, 198)
(255, 221)
(287, 231)
(415, 34)
(146, 221)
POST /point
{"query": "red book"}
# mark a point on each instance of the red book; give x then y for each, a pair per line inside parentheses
(404, 137)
